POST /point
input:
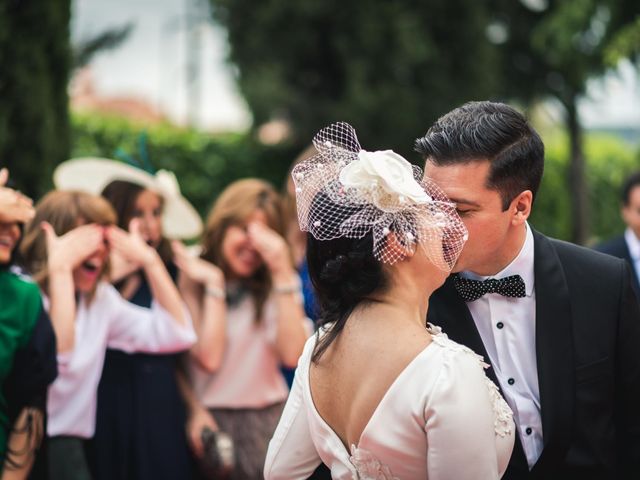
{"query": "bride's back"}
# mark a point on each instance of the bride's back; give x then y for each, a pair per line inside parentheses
(356, 371)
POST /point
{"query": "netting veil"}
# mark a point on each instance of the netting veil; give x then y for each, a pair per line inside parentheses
(344, 191)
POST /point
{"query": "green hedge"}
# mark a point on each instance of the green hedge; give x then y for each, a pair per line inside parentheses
(205, 164)
(609, 161)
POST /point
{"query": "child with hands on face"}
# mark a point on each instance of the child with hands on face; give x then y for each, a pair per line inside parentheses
(66, 249)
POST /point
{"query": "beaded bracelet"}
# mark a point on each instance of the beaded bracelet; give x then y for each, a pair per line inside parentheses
(215, 292)
(287, 289)
(295, 287)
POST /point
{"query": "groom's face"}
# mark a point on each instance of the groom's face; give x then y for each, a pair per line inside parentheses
(488, 246)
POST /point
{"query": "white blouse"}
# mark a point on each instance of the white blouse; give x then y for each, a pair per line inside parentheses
(107, 321)
(442, 418)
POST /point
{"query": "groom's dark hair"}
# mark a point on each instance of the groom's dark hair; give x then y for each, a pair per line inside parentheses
(496, 132)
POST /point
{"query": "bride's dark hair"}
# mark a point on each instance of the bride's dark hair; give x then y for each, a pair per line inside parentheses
(344, 273)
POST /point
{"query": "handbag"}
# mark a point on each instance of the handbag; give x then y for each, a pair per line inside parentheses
(219, 456)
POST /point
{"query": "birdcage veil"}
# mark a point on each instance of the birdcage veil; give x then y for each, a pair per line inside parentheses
(344, 191)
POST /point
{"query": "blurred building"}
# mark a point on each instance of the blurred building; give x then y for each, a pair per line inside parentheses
(84, 98)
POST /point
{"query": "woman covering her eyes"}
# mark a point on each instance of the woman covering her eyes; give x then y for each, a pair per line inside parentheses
(140, 415)
(245, 297)
(66, 249)
(378, 393)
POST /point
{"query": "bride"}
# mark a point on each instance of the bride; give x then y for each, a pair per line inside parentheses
(378, 394)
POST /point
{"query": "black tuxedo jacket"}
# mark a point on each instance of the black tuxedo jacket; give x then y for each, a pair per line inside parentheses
(588, 358)
(618, 248)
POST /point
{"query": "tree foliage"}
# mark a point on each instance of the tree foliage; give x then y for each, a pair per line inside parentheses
(552, 53)
(111, 38)
(34, 66)
(204, 165)
(389, 68)
(609, 161)
(624, 44)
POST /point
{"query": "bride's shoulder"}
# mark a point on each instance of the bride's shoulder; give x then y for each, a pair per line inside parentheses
(311, 342)
(441, 339)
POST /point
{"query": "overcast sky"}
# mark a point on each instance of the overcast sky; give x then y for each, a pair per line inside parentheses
(151, 64)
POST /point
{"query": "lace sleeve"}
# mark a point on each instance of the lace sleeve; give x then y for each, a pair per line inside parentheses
(460, 421)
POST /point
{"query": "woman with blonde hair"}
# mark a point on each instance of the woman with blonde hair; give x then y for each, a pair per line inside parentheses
(66, 249)
(244, 296)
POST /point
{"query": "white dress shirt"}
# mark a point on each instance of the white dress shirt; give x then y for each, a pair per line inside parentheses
(507, 327)
(633, 244)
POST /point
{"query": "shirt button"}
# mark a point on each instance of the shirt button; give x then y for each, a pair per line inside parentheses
(500, 325)
(528, 431)
(511, 381)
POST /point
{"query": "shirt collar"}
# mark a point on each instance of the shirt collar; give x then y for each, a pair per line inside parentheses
(633, 243)
(521, 265)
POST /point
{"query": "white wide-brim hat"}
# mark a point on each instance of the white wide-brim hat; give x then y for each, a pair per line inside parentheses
(92, 175)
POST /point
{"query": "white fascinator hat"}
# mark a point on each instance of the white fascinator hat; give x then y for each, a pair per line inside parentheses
(92, 175)
(345, 191)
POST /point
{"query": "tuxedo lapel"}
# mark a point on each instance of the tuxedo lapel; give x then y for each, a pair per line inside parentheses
(554, 351)
(449, 311)
(626, 254)
(624, 248)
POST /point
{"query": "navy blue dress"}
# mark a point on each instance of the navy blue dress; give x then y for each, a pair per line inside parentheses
(140, 418)
(310, 310)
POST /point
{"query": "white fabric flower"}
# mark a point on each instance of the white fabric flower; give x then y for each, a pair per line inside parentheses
(346, 192)
(385, 178)
(368, 467)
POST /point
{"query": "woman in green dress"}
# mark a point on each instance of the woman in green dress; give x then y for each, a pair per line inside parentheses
(27, 348)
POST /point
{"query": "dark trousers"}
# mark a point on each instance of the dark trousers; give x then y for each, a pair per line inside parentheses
(67, 458)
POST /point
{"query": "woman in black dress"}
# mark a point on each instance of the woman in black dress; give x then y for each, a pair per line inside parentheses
(140, 415)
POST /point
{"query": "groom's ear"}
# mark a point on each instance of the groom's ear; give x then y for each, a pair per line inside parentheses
(521, 207)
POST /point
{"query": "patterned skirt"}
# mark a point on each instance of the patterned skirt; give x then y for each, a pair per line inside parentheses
(251, 429)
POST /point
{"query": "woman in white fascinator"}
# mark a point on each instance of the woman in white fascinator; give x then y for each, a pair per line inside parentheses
(378, 393)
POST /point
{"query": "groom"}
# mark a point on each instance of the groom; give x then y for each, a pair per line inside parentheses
(558, 323)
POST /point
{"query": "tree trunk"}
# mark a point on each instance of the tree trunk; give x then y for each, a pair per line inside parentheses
(577, 181)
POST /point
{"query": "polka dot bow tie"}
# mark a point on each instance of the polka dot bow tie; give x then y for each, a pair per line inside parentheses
(470, 290)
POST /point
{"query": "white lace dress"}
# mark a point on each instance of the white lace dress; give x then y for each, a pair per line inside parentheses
(442, 418)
